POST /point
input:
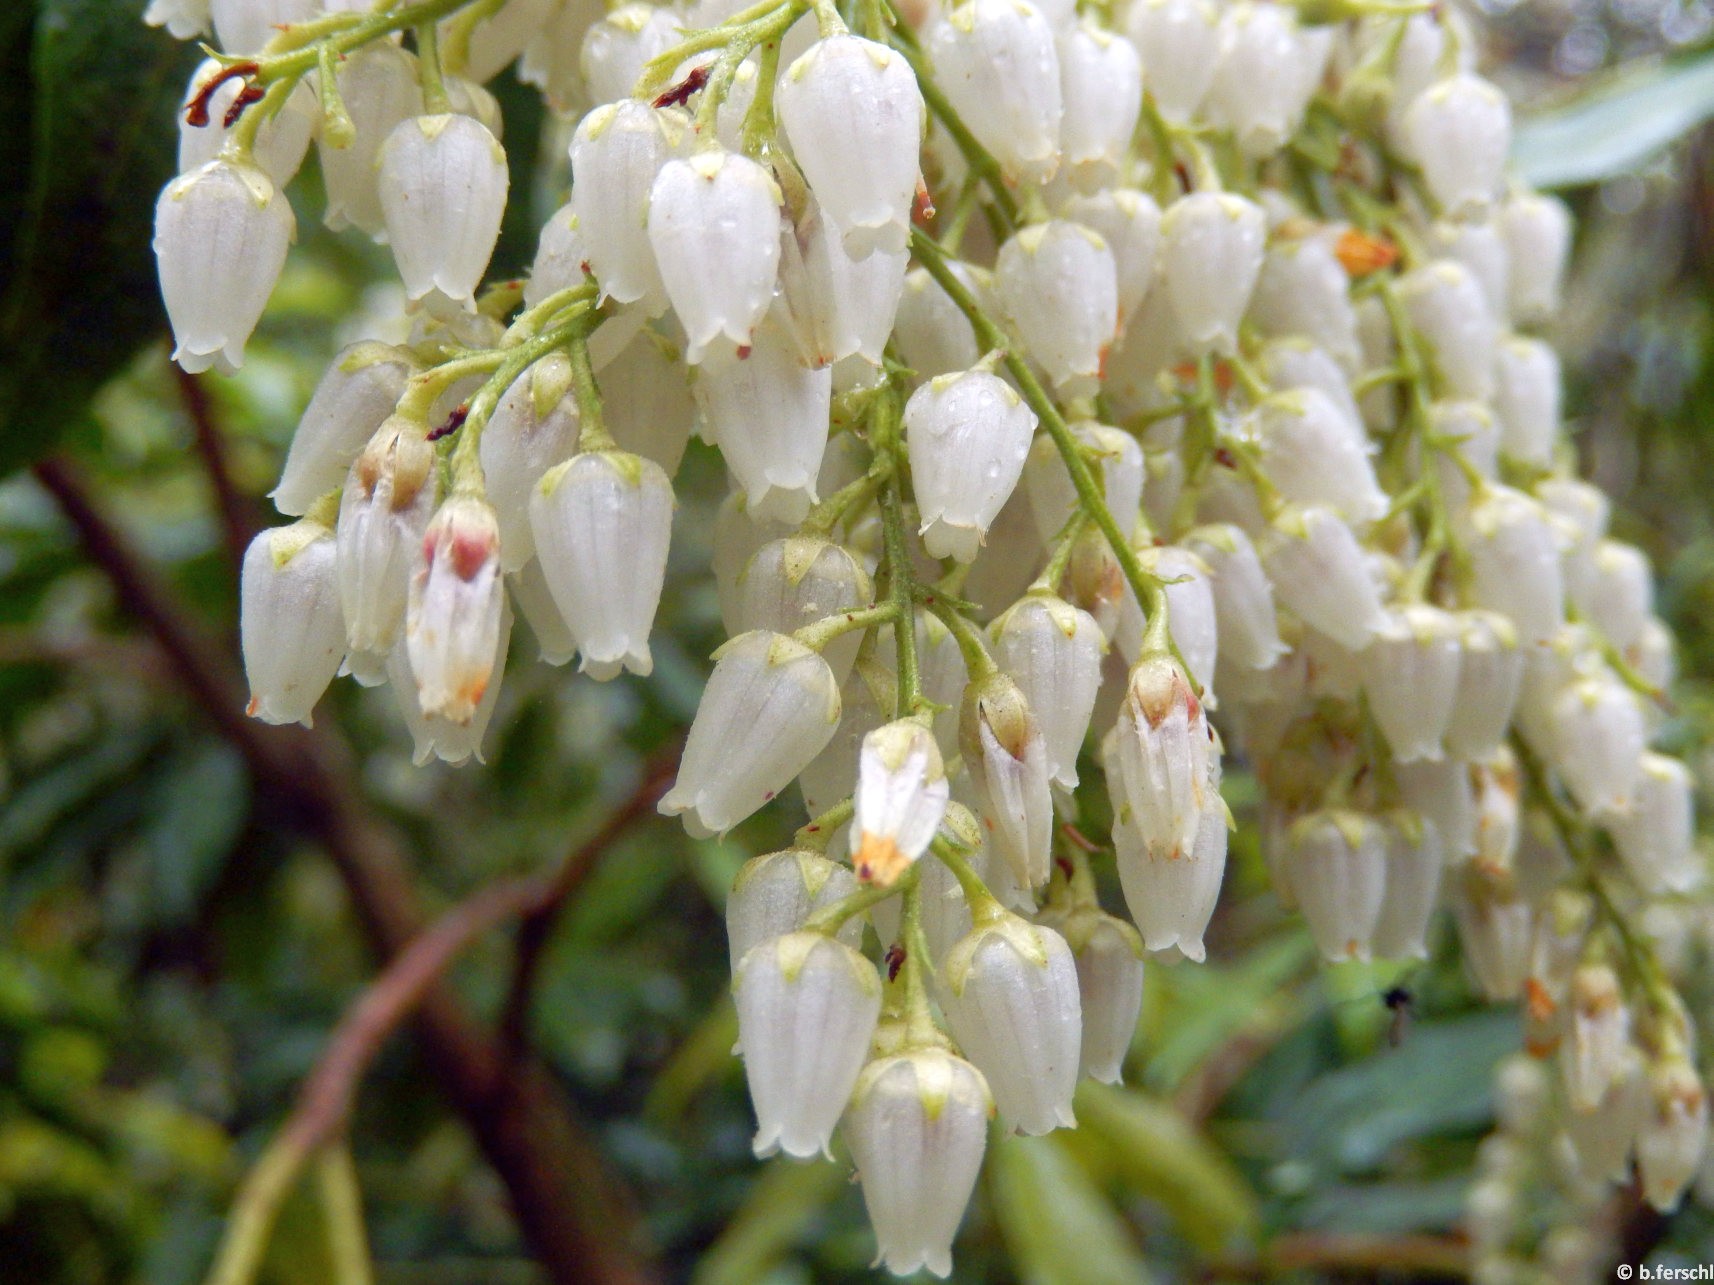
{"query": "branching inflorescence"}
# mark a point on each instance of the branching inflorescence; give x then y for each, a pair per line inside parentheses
(1072, 370)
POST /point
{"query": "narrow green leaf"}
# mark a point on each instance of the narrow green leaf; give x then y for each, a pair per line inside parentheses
(1615, 127)
(1058, 1226)
(775, 1217)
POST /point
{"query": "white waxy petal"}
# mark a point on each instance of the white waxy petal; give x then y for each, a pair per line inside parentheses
(1006, 760)
(841, 307)
(769, 414)
(647, 401)
(1581, 511)
(1411, 674)
(443, 182)
(1490, 672)
(1314, 454)
(1053, 650)
(560, 256)
(1412, 888)
(183, 19)
(807, 1007)
(1481, 247)
(280, 142)
(1445, 303)
(1459, 131)
(1514, 561)
(968, 435)
(1130, 223)
(1013, 1004)
(714, 222)
(1101, 86)
(290, 624)
(1593, 1055)
(917, 1128)
(1291, 364)
(615, 48)
(854, 116)
(1246, 623)
(933, 336)
(1496, 926)
(1443, 794)
(221, 234)
(774, 894)
(797, 581)
(534, 426)
(1193, 624)
(1304, 291)
(1338, 864)
(737, 535)
(356, 394)
(245, 26)
(1603, 1139)
(1266, 72)
(1655, 835)
(555, 643)
(437, 737)
(1526, 400)
(1319, 571)
(1059, 285)
(616, 155)
(453, 613)
(602, 522)
(995, 62)
(769, 707)
(867, 701)
(1167, 763)
(1464, 431)
(1171, 899)
(1598, 740)
(1537, 230)
(1212, 244)
(1672, 1135)
(1178, 42)
(1619, 599)
(501, 36)
(1109, 954)
(380, 89)
(383, 512)
(1053, 497)
(902, 792)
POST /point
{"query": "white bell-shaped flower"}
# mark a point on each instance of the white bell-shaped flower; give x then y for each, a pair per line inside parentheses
(1130, 223)
(917, 1127)
(1303, 290)
(1053, 497)
(1537, 230)
(1411, 675)
(1011, 998)
(1598, 739)
(1619, 599)
(841, 307)
(380, 89)
(768, 414)
(616, 154)
(933, 336)
(1290, 364)
(807, 1007)
(452, 615)
(768, 708)
(1190, 611)
(1338, 872)
(290, 625)
(647, 401)
(1319, 571)
(1109, 954)
(996, 64)
(1443, 794)
(560, 256)
(1411, 887)
(183, 19)
(1246, 623)
(1445, 303)
(968, 435)
(1459, 131)
(1167, 764)
(245, 26)
(736, 537)
(432, 735)
(1581, 511)
(1655, 835)
(555, 643)
(799, 580)
(1172, 898)
(902, 792)
(534, 426)
(1058, 283)
(1268, 67)
(775, 893)
(1513, 549)
(602, 522)
(616, 47)
(1526, 400)
(500, 37)
(356, 394)
(443, 182)
(1672, 1135)
(1490, 670)
(281, 140)
(1006, 759)
(1598, 1036)
(1464, 431)
(1603, 1140)
(1211, 254)
(1179, 44)
(854, 117)
(221, 234)
(1053, 651)
(1314, 454)
(1101, 86)
(714, 221)
(1480, 247)
(383, 512)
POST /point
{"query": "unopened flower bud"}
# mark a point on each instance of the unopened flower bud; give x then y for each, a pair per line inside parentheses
(774, 894)
(616, 153)
(769, 707)
(995, 61)
(1411, 675)
(1007, 763)
(221, 233)
(1319, 571)
(1459, 132)
(1211, 254)
(1012, 1001)
(289, 621)
(1178, 42)
(1166, 758)
(902, 793)
(1172, 898)
(380, 89)
(807, 1007)
(602, 523)
(1101, 84)
(917, 1128)
(1059, 284)
(968, 435)
(452, 620)
(1053, 651)
(1490, 669)
(1673, 1132)
(385, 509)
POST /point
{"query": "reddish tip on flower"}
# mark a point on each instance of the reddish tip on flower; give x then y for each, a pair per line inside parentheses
(879, 860)
(1361, 253)
(1539, 1003)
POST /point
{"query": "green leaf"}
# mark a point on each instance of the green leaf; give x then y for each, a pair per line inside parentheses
(89, 95)
(1616, 127)
(1057, 1224)
(775, 1217)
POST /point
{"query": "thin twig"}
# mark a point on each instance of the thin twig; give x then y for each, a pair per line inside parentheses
(239, 518)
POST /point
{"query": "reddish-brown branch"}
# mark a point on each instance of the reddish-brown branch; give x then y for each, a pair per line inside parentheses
(576, 1217)
(239, 517)
(1351, 1254)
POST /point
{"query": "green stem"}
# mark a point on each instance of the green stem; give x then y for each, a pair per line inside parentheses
(819, 831)
(831, 511)
(984, 907)
(738, 44)
(342, 32)
(1054, 572)
(819, 633)
(977, 662)
(659, 69)
(830, 920)
(758, 134)
(919, 1017)
(342, 1215)
(435, 101)
(885, 436)
(240, 143)
(456, 53)
(337, 128)
(592, 434)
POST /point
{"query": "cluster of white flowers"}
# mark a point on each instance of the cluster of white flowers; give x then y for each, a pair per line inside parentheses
(1217, 388)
